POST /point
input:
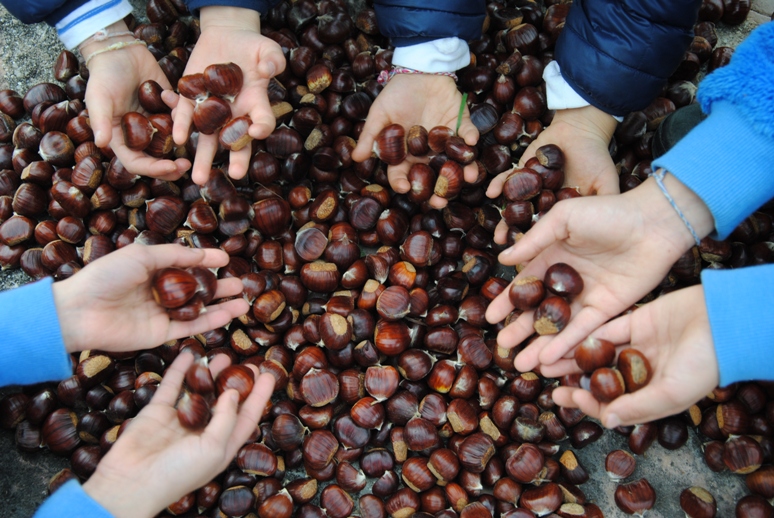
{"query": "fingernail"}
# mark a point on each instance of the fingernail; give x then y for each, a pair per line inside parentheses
(234, 397)
(271, 68)
(507, 251)
(98, 135)
(613, 421)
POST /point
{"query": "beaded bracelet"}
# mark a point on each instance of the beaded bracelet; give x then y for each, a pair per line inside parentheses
(659, 176)
(385, 76)
(114, 46)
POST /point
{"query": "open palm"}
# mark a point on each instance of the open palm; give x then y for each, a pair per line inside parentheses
(416, 99)
(673, 332)
(260, 58)
(109, 305)
(111, 92)
(156, 461)
(616, 250)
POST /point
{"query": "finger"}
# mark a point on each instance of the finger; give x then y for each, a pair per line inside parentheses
(517, 331)
(100, 120)
(437, 202)
(528, 153)
(163, 256)
(496, 185)
(229, 287)
(218, 363)
(398, 176)
(271, 60)
(548, 230)
(169, 388)
(587, 404)
(138, 162)
(170, 98)
(562, 396)
(252, 410)
(206, 149)
(578, 329)
(470, 172)
(216, 316)
(224, 417)
(501, 232)
(500, 307)
(618, 331)
(559, 368)
(647, 404)
(468, 131)
(376, 120)
(183, 118)
(239, 161)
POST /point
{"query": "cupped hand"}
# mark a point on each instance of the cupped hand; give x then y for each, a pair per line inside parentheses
(114, 78)
(109, 305)
(583, 134)
(618, 246)
(416, 99)
(230, 35)
(156, 461)
(673, 332)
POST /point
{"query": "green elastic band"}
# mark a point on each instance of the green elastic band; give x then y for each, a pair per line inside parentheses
(462, 110)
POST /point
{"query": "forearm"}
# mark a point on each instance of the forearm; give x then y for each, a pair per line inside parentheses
(726, 159)
(32, 348)
(739, 304)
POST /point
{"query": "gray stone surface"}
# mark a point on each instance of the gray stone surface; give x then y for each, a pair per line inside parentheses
(27, 54)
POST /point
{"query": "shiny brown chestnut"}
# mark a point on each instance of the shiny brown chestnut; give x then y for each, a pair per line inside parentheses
(551, 316)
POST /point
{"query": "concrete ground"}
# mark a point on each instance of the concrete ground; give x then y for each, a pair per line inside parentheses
(27, 54)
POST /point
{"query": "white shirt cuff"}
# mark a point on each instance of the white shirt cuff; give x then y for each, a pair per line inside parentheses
(444, 55)
(559, 94)
(79, 25)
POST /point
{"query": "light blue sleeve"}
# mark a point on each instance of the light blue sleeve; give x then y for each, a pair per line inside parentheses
(727, 159)
(31, 345)
(740, 306)
(71, 501)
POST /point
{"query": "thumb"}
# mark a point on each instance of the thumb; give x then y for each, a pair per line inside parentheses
(468, 130)
(528, 153)
(549, 229)
(375, 121)
(271, 61)
(101, 120)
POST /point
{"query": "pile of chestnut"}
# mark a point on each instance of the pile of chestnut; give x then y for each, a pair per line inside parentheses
(392, 395)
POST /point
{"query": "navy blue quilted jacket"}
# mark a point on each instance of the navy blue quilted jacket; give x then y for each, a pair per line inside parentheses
(616, 54)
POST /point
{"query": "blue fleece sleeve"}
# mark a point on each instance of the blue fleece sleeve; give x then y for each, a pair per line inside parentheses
(71, 501)
(262, 6)
(410, 22)
(31, 345)
(617, 55)
(739, 306)
(727, 159)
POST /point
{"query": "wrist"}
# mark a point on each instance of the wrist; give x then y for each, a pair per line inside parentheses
(67, 323)
(237, 18)
(654, 205)
(115, 33)
(587, 119)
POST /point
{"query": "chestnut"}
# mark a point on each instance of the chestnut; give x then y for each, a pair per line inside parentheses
(173, 287)
(635, 369)
(563, 280)
(635, 497)
(390, 144)
(224, 80)
(551, 316)
(619, 464)
(526, 293)
(606, 384)
(697, 502)
(237, 377)
(594, 353)
(137, 130)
